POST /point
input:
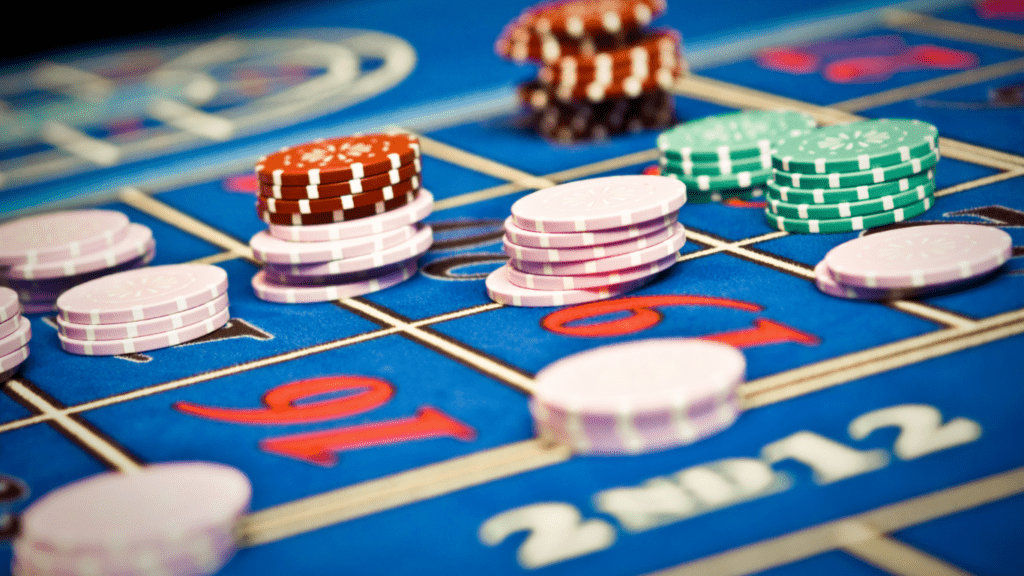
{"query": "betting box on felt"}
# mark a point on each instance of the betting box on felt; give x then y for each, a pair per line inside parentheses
(402, 422)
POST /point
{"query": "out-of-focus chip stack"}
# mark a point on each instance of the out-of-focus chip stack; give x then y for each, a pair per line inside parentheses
(603, 71)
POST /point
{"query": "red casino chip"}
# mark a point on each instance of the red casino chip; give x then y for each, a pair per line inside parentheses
(338, 159)
(390, 178)
(579, 18)
(333, 216)
(656, 49)
(519, 44)
(537, 96)
(347, 202)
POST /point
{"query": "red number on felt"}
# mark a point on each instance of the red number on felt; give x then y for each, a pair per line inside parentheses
(643, 314)
(280, 407)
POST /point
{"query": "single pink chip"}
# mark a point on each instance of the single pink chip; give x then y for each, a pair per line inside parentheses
(8, 326)
(633, 259)
(411, 213)
(502, 291)
(276, 251)
(17, 339)
(179, 516)
(919, 256)
(599, 204)
(541, 282)
(639, 396)
(60, 236)
(60, 285)
(411, 248)
(576, 239)
(142, 294)
(136, 243)
(156, 325)
(14, 359)
(38, 307)
(301, 294)
(144, 343)
(9, 307)
(577, 254)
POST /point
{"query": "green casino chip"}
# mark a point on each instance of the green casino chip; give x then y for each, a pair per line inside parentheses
(849, 209)
(727, 182)
(748, 194)
(735, 135)
(856, 146)
(726, 166)
(839, 225)
(835, 196)
(851, 179)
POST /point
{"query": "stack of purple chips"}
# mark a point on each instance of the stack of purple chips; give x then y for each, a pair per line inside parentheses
(43, 256)
(175, 519)
(911, 262)
(319, 263)
(141, 310)
(15, 332)
(589, 240)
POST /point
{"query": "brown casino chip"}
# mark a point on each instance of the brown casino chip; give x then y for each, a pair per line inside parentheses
(333, 216)
(346, 202)
(349, 187)
(520, 45)
(568, 124)
(580, 18)
(657, 49)
(536, 96)
(336, 160)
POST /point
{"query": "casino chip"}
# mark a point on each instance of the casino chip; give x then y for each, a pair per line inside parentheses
(851, 177)
(344, 226)
(728, 155)
(47, 254)
(588, 240)
(605, 73)
(144, 309)
(591, 403)
(175, 518)
(15, 333)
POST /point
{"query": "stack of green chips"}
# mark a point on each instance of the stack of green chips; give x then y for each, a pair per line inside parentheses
(854, 176)
(729, 155)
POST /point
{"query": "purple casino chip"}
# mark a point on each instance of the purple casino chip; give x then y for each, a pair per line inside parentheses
(60, 236)
(9, 307)
(577, 254)
(919, 256)
(156, 325)
(411, 248)
(576, 239)
(144, 343)
(276, 251)
(503, 291)
(591, 402)
(633, 259)
(541, 282)
(599, 204)
(175, 518)
(60, 285)
(307, 293)
(136, 243)
(142, 294)
(405, 215)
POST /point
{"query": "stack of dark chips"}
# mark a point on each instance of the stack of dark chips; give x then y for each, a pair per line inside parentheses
(603, 71)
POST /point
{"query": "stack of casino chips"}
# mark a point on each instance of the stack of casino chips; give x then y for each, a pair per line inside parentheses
(42, 256)
(141, 310)
(588, 240)
(15, 332)
(850, 177)
(172, 519)
(344, 218)
(913, 261)
(729, 155)
(602, 72)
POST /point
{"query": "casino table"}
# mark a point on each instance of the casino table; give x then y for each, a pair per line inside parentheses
(876, 437)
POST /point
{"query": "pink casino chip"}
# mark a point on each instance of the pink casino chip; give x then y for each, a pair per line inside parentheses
(503, 291)
(143, 327)
(576, 239)
(411, 248)
(142, 294)
(527, 253)
(7, 327)
(591, 401)
(640, 257)
(144, 343)
(135, 244)
(599, 204)
(405, 215)
(13, 359)
(541, 282)
(60, 285)
(919, 256)
(60, 236)
(303, 294)
(16, 339)
(9, 307)
(276, 251)
(176, 518)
